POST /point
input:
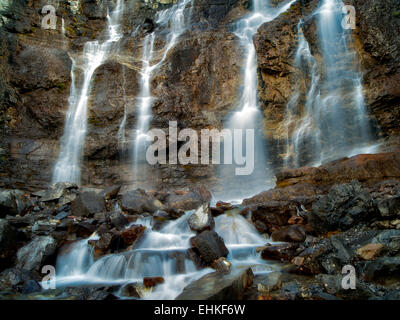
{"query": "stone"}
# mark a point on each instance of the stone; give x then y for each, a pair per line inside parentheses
(134, 290)
(188, 201)
(270, 282)
(43, 227)
(222, 265)
(34, 255)
(137, 202)
(118, 220)
(381, 268)
(131, 234)
(292, 233)
(88, 203)
(13, 202)
(219, 286)
(344, 206)
(370, 251)
(8, 243)
(152, 281)
(209, 246)
(389, 207)
(111, 192)
(202, 219)
(56, 191)
(280, 252)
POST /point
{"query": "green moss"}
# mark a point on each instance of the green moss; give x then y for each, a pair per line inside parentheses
(61, 86)
(396, 14)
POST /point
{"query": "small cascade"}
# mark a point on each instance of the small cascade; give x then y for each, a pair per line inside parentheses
(121, 130)
(68, 164)
(248, 115)
(161, 253)
(173, 22)
(333, 122)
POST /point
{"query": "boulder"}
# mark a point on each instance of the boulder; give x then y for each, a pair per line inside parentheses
(344, 207)
(19, 280)
(209, 246)
(389, 207)
(137, 201)
(88, 203)
(292, 233)
(36, 253)
(382, 268)
(8, 243)
(151, 282)
(222, 265)
(118, 220)
(202, 219)
(57, 191)
(280, 252)
(111, 192)
(270, 282)
(134, 290)
(13, 202)
(370, 251)
(187, 201)
(219, 286)
(131, 234)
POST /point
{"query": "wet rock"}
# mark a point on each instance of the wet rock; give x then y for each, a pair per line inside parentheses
(131, 234)
(108, 242)
(389, 207)
(88, 203)
(152, 281)
(218, 286)
(187, 201)
(134, 290)
(272, 281)
(202, 219)
(280, 252)
(344, 206)
(31, 286)
(8, 243)
(44, 227)
(111, 192)
(370, 251)
(13, 202)
(36, 253)
(57, 191)
(18, 280)
(222, 265)
(292, 233)
(91, 293)
(137, 201)
(118, 220)
(381, 269)
(209, 246)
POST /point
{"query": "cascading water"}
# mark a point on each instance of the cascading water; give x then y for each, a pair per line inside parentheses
(333, 122)
(161, 253)
(173, 22)
(67, 167)
(249, 115)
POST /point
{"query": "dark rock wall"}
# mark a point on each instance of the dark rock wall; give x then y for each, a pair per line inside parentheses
(198, 85)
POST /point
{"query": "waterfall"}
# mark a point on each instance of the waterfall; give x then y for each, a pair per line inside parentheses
(161, 253)
(248, 115)
(333, 122)
(173, 22)
(68, 164)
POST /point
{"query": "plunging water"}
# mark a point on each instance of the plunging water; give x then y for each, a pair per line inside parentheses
(173, 22)
(248, 115)
(333, 122)
(68, 165)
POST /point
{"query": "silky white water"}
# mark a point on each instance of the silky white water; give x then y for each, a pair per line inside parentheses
(68, 164)
(174, 22)
(248, 115)
(160, 253)
(333, 122)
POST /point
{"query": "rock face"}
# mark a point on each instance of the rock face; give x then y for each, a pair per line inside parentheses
(217, 286)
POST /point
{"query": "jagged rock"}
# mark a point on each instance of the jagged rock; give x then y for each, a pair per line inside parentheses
(150, 282)
(390, 239)
(270, 282)
(382, 268)
(187, 201)
(33, 255)
(8, 242)
(280, 252)
(222, 265)
(137, 201)
(134, 290)
(88, 203)
(56, 191)
(44, 227)
(111, 192)
(131, 234)
(18, 280)
(292, 233)
(218, 286)
(344, 206)
(202, 219)
(209, 246)
(13, 202)
(370, 251)
(389, 207)
(118, 220)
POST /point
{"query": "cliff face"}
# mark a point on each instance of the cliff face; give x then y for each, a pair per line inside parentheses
(198, 85)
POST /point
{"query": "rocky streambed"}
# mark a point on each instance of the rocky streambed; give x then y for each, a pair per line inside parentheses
(295, 241)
